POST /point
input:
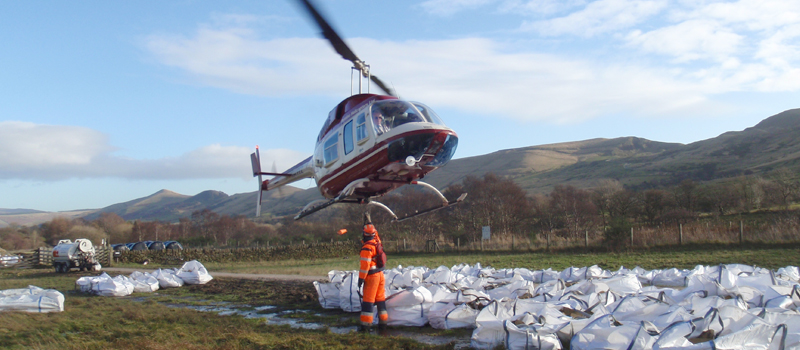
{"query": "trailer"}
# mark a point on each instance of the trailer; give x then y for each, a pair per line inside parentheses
(68, 255)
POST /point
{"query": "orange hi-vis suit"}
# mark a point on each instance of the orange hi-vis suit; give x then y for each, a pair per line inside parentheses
(374, 281)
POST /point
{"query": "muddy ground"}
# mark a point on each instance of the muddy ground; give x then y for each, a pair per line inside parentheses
(283, 294)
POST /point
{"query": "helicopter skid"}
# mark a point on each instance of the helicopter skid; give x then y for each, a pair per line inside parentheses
(318, 205)
(445, 203)
(431, 210)
(418, 213)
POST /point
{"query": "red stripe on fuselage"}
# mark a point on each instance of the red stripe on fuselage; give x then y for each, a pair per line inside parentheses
(332, 184)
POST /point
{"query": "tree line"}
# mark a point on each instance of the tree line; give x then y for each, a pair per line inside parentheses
(495, 201)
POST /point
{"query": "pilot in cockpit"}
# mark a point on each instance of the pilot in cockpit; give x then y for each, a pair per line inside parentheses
(379, 121)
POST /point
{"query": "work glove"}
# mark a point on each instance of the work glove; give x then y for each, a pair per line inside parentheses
(360, 282)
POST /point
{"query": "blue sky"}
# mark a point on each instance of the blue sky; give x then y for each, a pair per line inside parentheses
(103, 102)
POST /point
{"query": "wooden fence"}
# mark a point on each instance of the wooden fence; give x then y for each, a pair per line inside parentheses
(43, 257)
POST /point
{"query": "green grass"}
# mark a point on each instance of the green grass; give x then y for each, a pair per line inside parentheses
(772, 256)
(90, 322)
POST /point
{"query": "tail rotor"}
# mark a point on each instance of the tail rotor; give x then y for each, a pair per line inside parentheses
(255, 160)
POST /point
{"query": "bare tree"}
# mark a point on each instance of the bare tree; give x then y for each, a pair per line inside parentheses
(574, 207)
(602, 197)
(784, 187)
(685, 195)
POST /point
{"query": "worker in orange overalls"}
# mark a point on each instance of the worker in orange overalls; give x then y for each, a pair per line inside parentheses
(371, 277)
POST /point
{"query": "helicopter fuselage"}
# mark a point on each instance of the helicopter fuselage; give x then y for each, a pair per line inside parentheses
(378, 143)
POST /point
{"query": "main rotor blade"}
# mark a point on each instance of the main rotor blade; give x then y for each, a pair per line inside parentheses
(381, 85)
(330, 34)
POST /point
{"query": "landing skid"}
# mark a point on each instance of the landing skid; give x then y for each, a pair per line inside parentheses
(318, 205)
(418, 213)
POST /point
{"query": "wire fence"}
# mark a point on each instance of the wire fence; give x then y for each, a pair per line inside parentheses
(774, 230)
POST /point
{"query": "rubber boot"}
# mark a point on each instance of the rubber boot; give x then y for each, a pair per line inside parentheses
(382, 329)
(363, 329)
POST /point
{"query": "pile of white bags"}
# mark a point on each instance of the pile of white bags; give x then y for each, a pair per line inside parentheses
(708, 307)
(31, 299)
(192, 272)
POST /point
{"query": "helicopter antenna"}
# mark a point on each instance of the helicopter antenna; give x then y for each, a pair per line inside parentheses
(342, 49)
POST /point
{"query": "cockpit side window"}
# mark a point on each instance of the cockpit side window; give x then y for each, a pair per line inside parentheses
(361, 127)
(331, 152)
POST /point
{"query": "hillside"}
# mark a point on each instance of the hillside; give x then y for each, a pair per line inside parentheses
(532, 167)
(35, 217)
(636, 162)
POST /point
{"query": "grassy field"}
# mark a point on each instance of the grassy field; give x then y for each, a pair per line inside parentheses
(764, 255)
(91, 322)
(144, 322)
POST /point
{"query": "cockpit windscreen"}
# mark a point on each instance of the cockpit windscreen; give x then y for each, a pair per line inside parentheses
(387, 115)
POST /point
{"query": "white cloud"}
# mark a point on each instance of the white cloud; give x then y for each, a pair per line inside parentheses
(690, 40)
(54, 152)
(753, 15)
(483, 76)
(473, 75)
(233, 58)
(599, 17)
(24, 144)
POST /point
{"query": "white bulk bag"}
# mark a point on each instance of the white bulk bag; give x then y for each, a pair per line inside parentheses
(409, 307)
(442, 275)
(605, 333)
(789, 273)
(620, 284)
(193, 272)
(112, 287)
(349, 299)
(31, 299)
(489, 331)
(167, 278)
(527, 337)
(670, 278)
(541, 276)
(143, 283)
(446, 315)
(328, 294)
(84, 284)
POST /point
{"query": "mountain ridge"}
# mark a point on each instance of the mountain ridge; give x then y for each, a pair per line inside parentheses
(635, 162)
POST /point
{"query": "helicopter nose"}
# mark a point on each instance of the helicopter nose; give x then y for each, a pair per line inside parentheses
(446, 145)
(431, 149)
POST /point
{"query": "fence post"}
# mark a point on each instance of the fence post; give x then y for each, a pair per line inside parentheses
(404, 244)
(680, 237)
(631, 236)
(586, 237)
(548, 240)
(512, 242)
(458, 244)
(741, 231)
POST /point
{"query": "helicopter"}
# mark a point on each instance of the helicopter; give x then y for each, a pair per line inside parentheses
(370, 144)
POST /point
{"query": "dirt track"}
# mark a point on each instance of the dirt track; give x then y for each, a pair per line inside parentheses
(286, 292)
(248, 276)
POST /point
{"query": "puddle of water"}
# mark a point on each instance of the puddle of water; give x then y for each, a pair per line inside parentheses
(276, 318)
